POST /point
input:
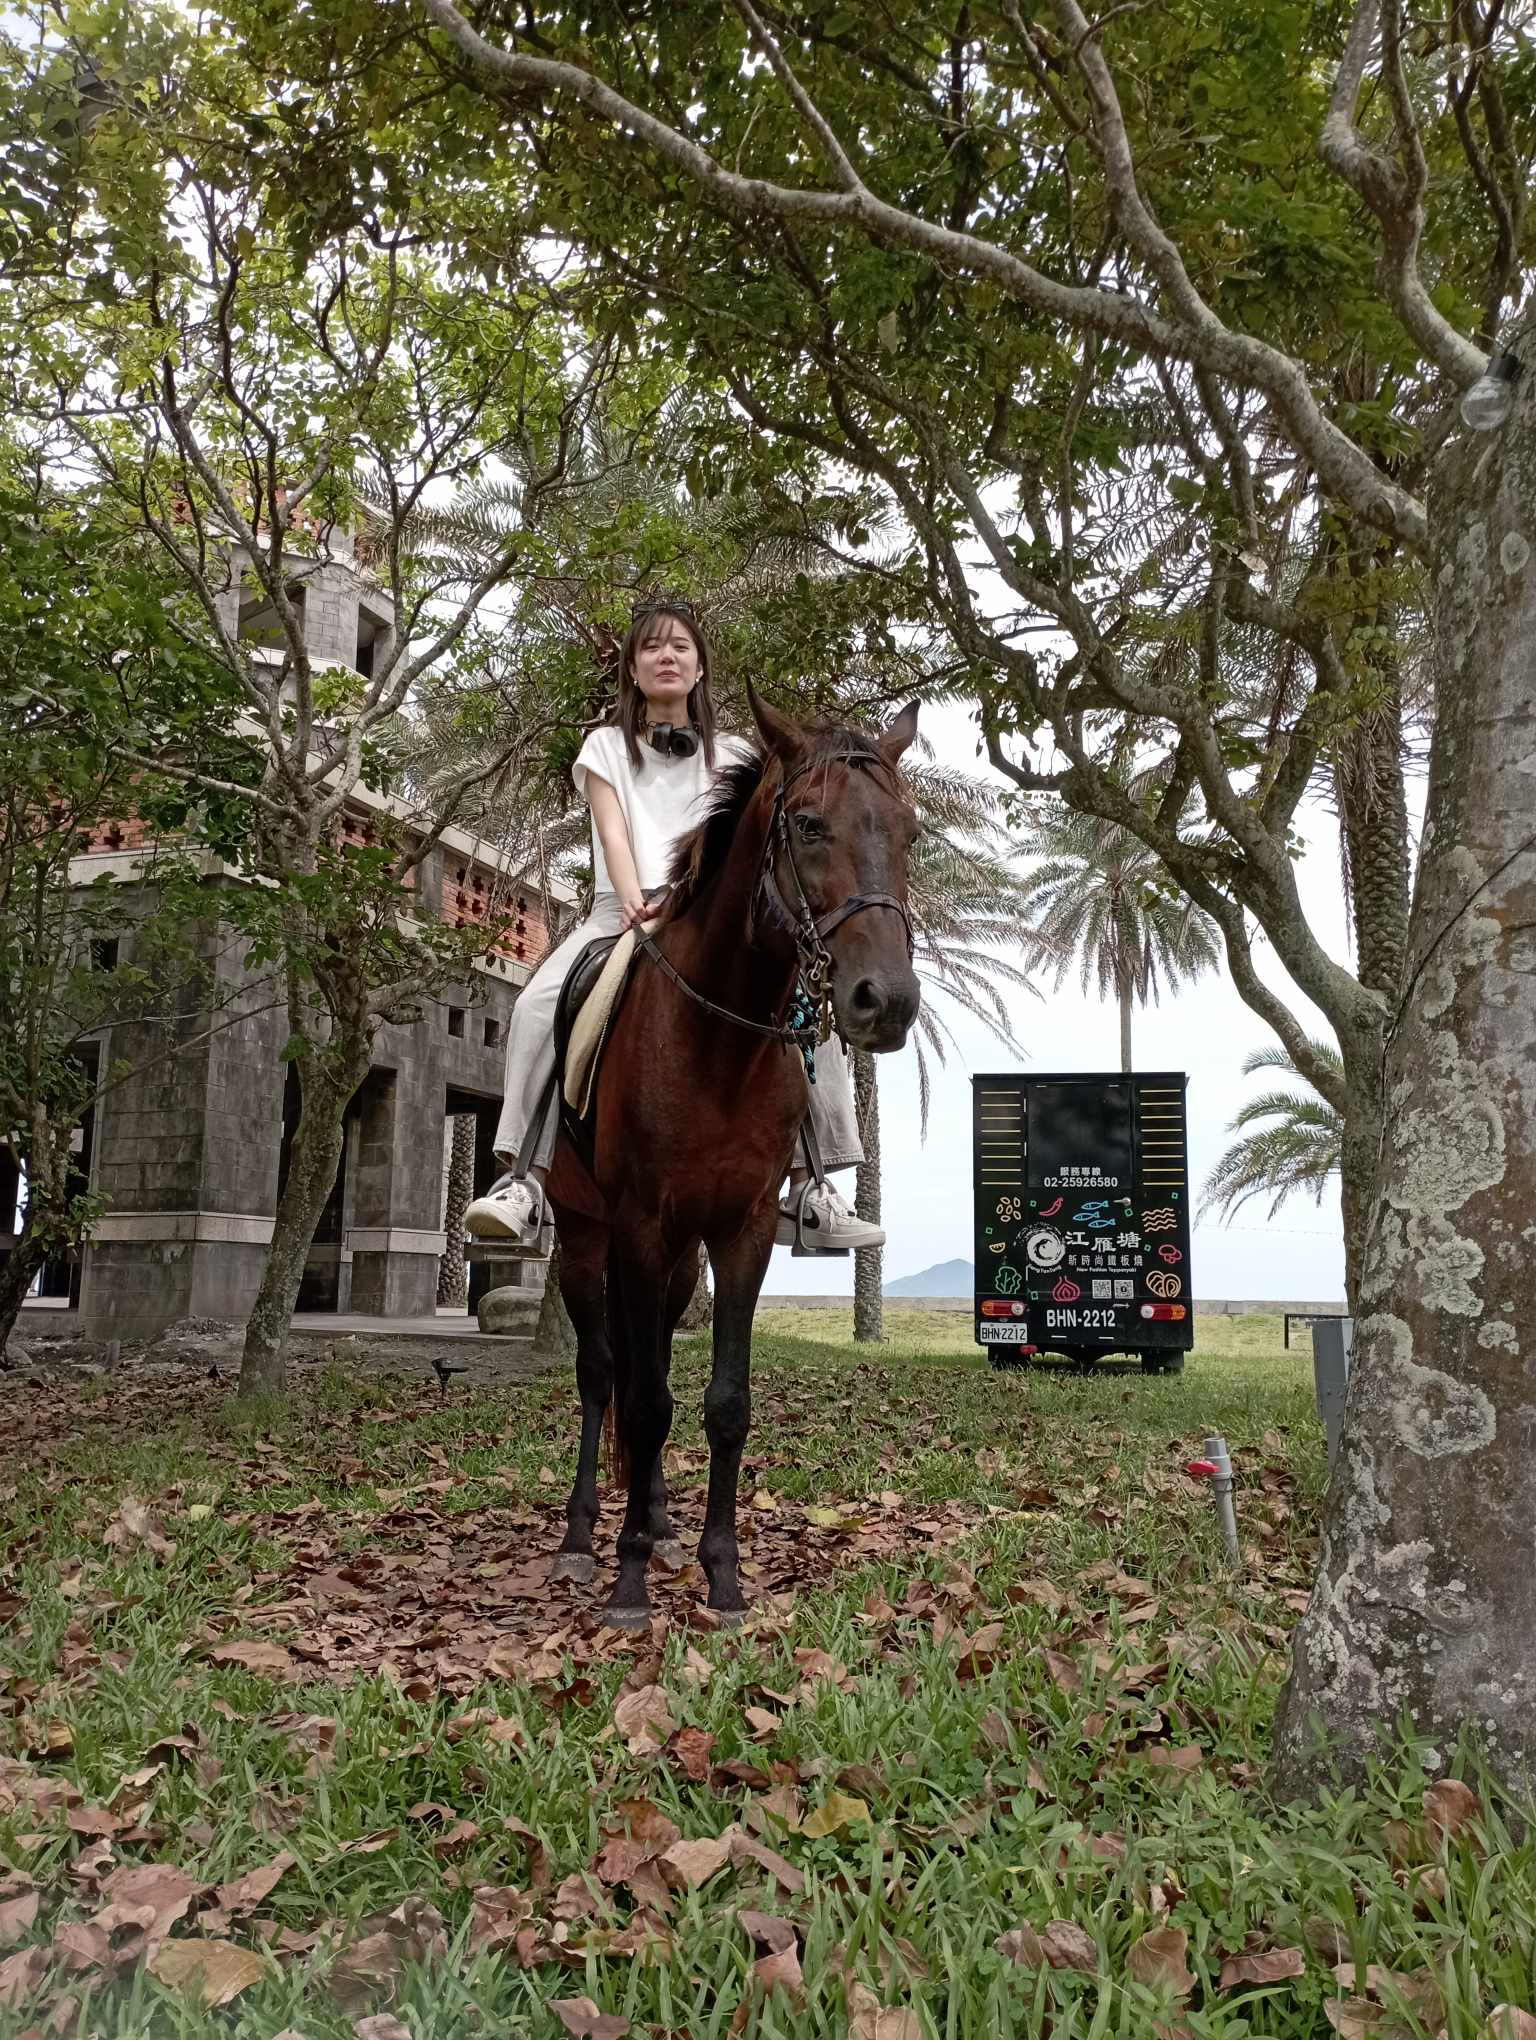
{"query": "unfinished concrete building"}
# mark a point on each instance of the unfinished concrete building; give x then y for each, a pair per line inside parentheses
(191, 1153)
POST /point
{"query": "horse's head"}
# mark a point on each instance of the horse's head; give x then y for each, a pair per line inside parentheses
(839, 864)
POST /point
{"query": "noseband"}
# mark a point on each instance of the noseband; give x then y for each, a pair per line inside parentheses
(812, 1006)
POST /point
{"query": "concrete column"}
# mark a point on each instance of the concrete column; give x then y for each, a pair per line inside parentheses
(187, 1153)
(395, 1224)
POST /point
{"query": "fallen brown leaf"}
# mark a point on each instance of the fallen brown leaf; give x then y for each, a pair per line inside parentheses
(745, 1849)
(1157, 1960)
(21, 1976)
(582, 2019)
(871, 2020)
(1068, 1946)
(382, 2026)
(1449, 1808)
(1060, 1945)
(137, 1525)
(1022, 1946)
(838, 1812)
(1508, 2022)
(16, 1916)
(642, 1718)
(1272, 1965)
(1180, 1763)
(1354, 2018)
(781, 1971)
(769, 1934)
(159, 1889)
(690, 1750)
(695, 1862)
(1327, 1939)
(256, 1654)
(214, 1971)
(248, 1891)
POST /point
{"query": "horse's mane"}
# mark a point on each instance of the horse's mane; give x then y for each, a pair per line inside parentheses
(701, 854)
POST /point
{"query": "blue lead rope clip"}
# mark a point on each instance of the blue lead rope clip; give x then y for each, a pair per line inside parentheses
(803, 1021)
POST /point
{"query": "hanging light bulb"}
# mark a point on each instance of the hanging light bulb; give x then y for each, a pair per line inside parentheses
(1492, 397)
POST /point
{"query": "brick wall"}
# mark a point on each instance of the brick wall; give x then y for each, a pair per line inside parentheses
(475, 895)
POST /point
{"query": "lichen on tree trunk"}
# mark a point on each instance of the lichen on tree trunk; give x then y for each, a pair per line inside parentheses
(868, 1262)
(1425, 1606)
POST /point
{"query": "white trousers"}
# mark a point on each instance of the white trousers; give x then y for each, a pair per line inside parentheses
(531, 1058)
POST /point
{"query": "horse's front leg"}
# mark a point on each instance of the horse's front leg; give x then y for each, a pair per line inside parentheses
(666, 1546)
(740, 1265)
(583, 1270)
(645, 1417)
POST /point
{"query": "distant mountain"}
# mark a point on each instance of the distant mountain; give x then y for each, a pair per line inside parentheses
(948, 1278)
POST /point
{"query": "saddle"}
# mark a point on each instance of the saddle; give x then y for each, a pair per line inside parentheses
(589, 998)
(584, 1012)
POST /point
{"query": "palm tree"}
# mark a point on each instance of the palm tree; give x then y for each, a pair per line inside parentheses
(968, 911)
(1299, 1149)
(1098, 894)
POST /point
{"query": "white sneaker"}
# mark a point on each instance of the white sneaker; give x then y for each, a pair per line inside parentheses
(829, 1221)
(513, 1208)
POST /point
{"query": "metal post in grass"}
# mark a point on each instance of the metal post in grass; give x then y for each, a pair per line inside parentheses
(1216, 1467)
(1332, 1342)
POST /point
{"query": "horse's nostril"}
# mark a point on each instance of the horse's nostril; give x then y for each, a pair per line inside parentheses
(867, 997)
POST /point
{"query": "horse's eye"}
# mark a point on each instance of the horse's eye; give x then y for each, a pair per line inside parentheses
(809, 828)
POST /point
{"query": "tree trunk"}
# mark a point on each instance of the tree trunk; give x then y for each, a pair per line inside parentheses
(452, 1274)
(1425, 1605)
(868, 1262)
(554, 1336)
(1125, 1028)
(17, 1272)
(312, 1164)
(700, 1314)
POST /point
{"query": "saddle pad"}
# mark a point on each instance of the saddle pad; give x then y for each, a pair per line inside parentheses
(591, 1023)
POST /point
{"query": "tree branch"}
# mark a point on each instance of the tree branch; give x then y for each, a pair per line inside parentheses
(1393, 194)
(1193, 335)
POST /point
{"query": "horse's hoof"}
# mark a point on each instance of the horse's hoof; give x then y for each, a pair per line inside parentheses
(669, 1554)
(728, 1618)
(579, 1566)
(629, 1619)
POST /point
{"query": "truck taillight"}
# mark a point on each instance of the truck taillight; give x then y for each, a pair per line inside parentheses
(997, 1306)
(1167, 1313)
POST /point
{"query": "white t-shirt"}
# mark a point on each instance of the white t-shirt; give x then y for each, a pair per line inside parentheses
(661, 798)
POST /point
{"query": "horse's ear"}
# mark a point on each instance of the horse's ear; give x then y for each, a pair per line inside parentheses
(779, 734)
(895, 738)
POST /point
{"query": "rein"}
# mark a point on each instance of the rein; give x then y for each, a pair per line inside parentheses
(812, 1006)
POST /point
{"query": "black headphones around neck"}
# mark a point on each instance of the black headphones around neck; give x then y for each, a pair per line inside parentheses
(672, 740)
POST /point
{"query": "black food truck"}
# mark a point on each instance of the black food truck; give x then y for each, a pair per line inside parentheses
(1082, 1218)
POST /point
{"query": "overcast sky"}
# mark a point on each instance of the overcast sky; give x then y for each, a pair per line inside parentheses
(1205, 1030)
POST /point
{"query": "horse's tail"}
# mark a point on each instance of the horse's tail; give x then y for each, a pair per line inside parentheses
(617, 1465)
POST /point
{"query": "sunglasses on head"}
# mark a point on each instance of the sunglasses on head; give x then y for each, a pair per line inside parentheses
(663, 605)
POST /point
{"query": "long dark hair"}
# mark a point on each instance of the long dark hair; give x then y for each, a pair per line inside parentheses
(629, 711)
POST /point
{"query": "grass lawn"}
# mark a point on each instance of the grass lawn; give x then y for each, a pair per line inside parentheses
(297, 1740)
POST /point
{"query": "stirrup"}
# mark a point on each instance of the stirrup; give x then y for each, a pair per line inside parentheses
(802, 1249)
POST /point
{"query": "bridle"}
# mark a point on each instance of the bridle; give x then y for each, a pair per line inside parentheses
(817, 963)
(812, 1007)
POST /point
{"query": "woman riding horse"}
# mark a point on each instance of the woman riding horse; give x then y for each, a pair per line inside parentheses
(794, 884)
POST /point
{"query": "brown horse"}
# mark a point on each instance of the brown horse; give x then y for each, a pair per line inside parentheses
(797, 874)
